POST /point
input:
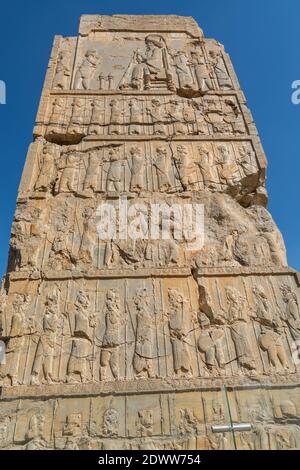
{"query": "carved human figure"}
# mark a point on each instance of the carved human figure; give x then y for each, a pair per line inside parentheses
(268, 230)
(245, 160)
(227, 167)
(202, 72)
(169, 252)
(63, 217)
(241, 247)
(81, 357)
(217, 409)
(61, 256)
(77, 116)
(188, 423)
(138, 168)
(244, 441)
(202, 122)
(175, 112)
(28, 234)
(19, 328)
(220, 114)
(149, 444)
(233, 116)
(163, 165)
(126, 253)
(270, 341)
(47, 174)
(97, 118)
(73, 430)
(4, 432)
(56, 119)
(261, 437)
(110, 349)
(286, 410)
(291, 314)
(115, 171)
(284, 438)
(111, 253)
(145, 333)
(211, 344)
(207, 168)
(165, 253)
(69, 165)
(182, 66)
(186, 168)
(35, 433)
(73, 425)
(152, 253)
(153, 55)
(144, 423)
(151, 64)
(63, 71)
(71, 443)
(158, 117)
(189, 117)
(261, 250)
(116, 117)
(263, 308)
(140, 75)
(47, 343)
(229, 248)
(111, 421)
(219, 441)
(219, 67)
(89, 237)
(86, 70)
(136, 117)
(92, 172)
(236, 314)
(177, 314)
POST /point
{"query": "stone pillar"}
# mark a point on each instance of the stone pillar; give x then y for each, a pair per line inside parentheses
(123, 342)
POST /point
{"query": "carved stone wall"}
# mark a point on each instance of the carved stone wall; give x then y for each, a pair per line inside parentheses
(127, 344)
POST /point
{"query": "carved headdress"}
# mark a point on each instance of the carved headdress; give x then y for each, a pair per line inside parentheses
(156, 39)
(287, 291)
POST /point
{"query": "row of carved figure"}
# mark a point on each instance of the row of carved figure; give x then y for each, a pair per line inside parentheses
(148, 338)
(157, 67)
(134, 168)
(273, 428)
(81, 116)
(61, 235)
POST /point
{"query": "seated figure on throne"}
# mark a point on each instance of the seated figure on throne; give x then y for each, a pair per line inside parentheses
(149, 68)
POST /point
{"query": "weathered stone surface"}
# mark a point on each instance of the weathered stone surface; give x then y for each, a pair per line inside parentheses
(126, 344)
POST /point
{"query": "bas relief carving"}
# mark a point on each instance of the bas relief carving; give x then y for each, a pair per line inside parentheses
(116, 343)
(154, 331)
(70, 120)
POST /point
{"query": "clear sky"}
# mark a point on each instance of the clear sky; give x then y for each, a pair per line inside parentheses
(262, 37)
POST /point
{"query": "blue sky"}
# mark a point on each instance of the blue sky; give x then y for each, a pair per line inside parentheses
(262, 37)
